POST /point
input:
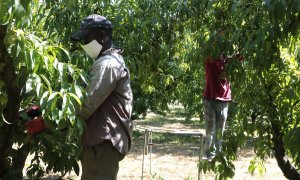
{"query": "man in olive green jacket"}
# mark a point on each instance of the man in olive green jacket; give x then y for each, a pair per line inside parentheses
(107, 109)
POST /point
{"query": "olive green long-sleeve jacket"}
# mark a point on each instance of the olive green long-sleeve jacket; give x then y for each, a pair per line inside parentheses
(108, 106)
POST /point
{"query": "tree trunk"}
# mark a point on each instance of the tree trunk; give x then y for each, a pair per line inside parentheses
(284, 164)
(11, 163)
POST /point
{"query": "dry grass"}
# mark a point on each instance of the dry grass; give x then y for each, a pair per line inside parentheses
(178, 161)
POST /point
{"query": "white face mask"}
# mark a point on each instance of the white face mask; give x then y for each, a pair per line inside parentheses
(92, 49)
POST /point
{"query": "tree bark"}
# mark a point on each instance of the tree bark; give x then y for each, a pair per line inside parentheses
(284, 164)
(19, 160)
(11, 115)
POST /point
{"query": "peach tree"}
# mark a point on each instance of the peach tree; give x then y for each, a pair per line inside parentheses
(36, 70)
(165, 43)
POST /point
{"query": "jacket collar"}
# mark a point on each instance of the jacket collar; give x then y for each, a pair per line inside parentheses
(111, 51)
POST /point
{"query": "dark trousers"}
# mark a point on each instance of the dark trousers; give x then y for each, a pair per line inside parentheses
(100, 162)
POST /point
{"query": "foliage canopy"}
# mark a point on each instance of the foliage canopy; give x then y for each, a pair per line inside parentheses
(165, 44)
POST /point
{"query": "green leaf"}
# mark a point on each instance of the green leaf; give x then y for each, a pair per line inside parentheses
(31, 60)
(71, 69)
(27, 60)
(28, 86)
(75, 97)
(36, 2)
(37, 61)
(39, 86)
(78, 91)
(26, 5)
(65, 103)
(16, 49)
(20, 14)
(44, 99)
(84, 78)
(52, 96)
(60, 68)
(47, 83)
(80, 125)
(65, 51)
(4, 11)
(71, 112)
(55, 114)
(24, 115)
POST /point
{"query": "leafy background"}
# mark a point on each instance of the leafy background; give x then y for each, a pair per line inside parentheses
(165, 43)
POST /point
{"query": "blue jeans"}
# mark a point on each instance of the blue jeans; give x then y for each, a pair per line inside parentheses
(215, 115)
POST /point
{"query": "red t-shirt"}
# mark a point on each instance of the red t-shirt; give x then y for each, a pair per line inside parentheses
(216, 86)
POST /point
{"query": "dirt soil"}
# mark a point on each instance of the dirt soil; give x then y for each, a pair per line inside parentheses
(173, 161)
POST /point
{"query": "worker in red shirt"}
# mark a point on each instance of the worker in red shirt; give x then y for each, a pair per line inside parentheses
(217, 94)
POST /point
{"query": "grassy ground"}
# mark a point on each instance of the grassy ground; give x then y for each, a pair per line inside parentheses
(175, 157)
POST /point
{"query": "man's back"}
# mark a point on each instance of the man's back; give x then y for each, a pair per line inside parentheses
(111, 120)
(217, 87)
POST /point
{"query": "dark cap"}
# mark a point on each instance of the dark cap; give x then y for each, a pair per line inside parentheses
(89, 22)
